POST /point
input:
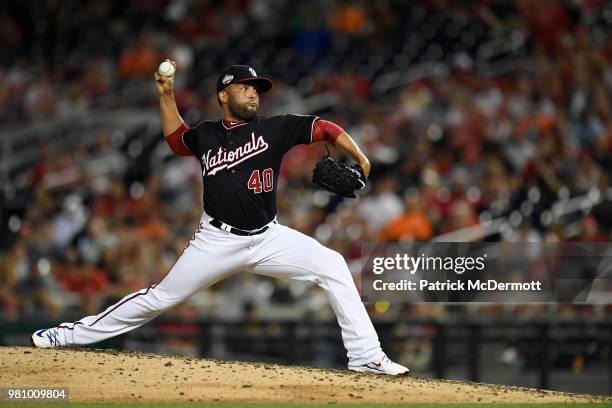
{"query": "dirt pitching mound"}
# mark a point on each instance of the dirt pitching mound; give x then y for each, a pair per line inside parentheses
(118, 376)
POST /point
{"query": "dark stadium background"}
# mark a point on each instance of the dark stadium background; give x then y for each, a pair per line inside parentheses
(484, 121)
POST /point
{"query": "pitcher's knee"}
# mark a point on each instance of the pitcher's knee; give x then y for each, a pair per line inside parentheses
(338, 260)
(162, 301)
(332, 263)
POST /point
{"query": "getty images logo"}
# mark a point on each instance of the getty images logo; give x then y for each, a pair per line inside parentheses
(412, 264)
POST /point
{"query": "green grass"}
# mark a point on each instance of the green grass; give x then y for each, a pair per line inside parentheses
(234, 405)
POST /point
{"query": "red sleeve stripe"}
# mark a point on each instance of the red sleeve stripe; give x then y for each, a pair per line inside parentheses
(325, 130)
(176, 143)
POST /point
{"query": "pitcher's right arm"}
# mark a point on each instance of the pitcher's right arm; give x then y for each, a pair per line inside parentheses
(173, 125)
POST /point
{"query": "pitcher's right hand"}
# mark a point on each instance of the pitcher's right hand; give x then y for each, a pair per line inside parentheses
(165, 85)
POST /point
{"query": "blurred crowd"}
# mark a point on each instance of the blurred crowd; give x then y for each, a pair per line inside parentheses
(449, 152)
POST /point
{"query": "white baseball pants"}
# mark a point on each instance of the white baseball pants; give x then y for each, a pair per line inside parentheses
(214, 254)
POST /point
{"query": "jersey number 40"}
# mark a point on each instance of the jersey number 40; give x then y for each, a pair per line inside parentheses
(255, 183)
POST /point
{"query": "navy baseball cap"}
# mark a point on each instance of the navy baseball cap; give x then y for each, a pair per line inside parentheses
(242, 74)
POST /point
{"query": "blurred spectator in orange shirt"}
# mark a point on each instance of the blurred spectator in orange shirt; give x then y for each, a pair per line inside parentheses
(139, 60)
(413, 225)
(348, 19)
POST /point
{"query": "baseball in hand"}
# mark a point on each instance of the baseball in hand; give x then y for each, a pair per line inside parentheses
(166, 68)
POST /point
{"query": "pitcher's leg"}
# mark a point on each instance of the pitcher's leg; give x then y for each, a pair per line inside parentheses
(129, 313)
(291, 254)
(205, 261)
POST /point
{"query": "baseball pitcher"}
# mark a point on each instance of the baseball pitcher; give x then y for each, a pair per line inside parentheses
(240, 156)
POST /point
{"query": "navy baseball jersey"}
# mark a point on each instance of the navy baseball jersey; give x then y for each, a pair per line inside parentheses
(240, 165)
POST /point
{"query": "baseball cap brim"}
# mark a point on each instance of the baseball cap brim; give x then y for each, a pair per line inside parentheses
(262, 84)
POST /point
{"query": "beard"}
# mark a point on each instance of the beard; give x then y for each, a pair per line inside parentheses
(244, 111)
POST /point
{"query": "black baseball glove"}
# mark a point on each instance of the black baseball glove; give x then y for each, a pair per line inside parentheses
(337, 177)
